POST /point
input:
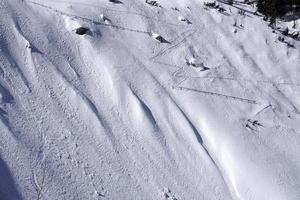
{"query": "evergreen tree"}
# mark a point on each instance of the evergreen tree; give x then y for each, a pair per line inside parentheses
(278, 8)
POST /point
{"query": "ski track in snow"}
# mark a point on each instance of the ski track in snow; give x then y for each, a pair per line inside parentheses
(119, 113)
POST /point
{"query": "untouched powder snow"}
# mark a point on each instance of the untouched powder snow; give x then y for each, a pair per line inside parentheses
(158, 100)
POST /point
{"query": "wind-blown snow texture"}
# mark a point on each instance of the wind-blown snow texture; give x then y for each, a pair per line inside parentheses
(155, 102)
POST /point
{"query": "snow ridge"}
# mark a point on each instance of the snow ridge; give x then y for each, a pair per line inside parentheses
(154, 100)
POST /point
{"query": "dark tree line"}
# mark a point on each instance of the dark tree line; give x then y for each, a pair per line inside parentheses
(278, 8)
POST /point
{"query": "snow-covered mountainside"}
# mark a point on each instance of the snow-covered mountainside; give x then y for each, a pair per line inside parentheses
(167, 100)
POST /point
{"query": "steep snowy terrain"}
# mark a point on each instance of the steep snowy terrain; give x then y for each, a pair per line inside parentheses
(169, 101)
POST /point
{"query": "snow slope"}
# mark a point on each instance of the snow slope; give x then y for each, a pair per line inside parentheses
(210, 113)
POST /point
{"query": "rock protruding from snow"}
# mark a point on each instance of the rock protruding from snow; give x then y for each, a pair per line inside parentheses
(192, 61)
(167, 194)
(159, 38)
(116, 1)
(81, 31)
(105, 19)
(183, 19)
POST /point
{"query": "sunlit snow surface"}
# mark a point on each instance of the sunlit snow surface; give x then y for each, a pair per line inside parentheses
(173, 101)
